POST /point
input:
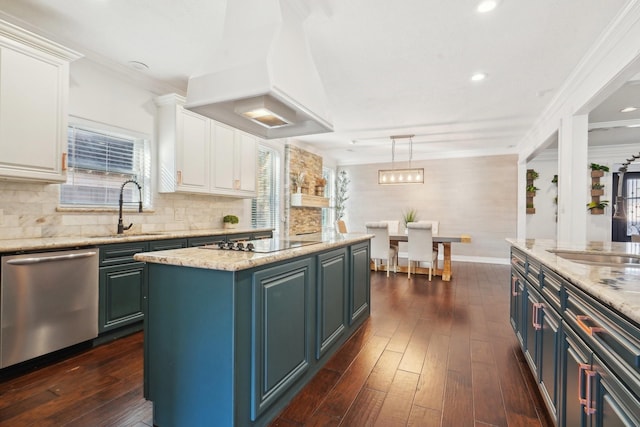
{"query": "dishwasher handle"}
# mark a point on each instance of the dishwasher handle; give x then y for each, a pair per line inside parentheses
(36, 260)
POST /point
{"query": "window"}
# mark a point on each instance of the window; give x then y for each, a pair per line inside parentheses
(99, 161)
(329, 215)
(264, 207)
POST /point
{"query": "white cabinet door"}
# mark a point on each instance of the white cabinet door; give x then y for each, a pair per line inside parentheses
(246, 165)
(223, 158)
(192, 152)
(33, 113)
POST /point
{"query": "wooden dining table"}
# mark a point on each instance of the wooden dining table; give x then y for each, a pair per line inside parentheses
(445, 240)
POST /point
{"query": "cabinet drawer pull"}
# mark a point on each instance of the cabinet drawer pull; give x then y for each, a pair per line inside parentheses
(536, 313)
(64, 161)
(179, 177)
(585, 401)
(590, 330)
(514, 291)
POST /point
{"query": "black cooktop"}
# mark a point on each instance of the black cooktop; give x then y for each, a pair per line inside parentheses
(262, 245)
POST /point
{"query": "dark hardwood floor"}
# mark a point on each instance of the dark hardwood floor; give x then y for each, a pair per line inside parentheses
(431, 354)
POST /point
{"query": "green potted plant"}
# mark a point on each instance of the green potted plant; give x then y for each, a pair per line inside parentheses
(532, 174)
(410, 215)
(598, 170)
(230, 221)
(531, 190)
(597, 208)
(530, 208)
(597, 189)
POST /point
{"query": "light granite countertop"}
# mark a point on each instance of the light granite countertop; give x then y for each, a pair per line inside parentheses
(618, 287)
(229, 260)
(47, 243)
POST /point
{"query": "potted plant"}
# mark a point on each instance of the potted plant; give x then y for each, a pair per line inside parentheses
(597, 208)
(555, 179)
(532, 174)
(531, 190)
(410, 215)
(597, 189)
(598, 170)
(530, 208)
(297, 181)
(230, 221)
(320, 184)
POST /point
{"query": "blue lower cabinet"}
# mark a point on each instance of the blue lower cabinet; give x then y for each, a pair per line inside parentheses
(360, 282)
(122, 295)
(332, 295)
(576, 368)
(613, 402)
(281, 331)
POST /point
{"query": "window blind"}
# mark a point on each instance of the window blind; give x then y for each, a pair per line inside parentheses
(99, 162)
(264, 207)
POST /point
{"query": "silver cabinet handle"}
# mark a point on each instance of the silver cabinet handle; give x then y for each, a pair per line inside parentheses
(36, 260)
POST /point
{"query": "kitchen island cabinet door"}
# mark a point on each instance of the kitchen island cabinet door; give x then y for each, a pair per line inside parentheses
(359, 294)
(282, 331)
(33, 111)
(332, 296)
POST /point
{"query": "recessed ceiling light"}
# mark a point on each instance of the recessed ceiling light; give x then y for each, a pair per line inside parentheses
(477, 77)
(628, 109)
(486, 6)
(137, 65)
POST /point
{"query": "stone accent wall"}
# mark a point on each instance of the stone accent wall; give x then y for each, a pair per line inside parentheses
(304, 220)
(30, 210)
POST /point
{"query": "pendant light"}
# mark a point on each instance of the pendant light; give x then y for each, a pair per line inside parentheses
(401, 176)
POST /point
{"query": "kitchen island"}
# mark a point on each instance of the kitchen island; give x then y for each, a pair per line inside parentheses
(575, 310)
(231, 336)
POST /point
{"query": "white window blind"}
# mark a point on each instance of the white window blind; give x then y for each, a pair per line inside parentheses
(264, 207)
(99, 161)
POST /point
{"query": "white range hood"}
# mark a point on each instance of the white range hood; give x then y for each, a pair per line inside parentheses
(263, 64)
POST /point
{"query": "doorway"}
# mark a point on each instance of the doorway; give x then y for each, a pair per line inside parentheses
(627, 225)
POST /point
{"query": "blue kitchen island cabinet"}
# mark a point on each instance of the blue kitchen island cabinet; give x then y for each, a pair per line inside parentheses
(231, 337)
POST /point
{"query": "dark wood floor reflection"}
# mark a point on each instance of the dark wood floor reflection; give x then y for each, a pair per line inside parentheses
(432, 354)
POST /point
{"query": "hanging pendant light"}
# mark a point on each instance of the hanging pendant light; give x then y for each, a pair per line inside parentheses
(401, 176)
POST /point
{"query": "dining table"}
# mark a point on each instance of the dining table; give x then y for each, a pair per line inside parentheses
(440, 239)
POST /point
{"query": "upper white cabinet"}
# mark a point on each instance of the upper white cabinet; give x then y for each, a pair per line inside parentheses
(34, 92)
(200, 155)
(233, 161)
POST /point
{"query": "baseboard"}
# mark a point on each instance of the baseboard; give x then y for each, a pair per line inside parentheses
(480, 259)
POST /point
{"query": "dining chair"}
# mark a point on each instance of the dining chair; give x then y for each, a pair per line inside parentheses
(341, 226)
(394, 226)
(420, 243)
(380, 245)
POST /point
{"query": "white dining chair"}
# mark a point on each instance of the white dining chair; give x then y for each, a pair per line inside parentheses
(420, 245)
(380, 246)
(394, 226)
(435, 226)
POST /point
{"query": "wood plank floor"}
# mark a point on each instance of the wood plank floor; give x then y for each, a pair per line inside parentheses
(431, 354)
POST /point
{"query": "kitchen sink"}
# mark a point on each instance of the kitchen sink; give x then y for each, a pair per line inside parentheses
(115, 235)
(599, 258)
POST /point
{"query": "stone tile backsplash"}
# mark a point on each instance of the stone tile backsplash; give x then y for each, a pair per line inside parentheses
(30, 210)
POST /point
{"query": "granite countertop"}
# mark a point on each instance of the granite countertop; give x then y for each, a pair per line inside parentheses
(616, 286)
(228, 260)
(46, 243)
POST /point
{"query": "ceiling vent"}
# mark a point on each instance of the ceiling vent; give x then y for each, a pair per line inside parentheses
(262, 79)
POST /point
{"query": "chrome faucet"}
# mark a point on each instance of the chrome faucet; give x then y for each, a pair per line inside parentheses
(121, 227)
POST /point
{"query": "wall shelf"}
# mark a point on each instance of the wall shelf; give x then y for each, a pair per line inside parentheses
(309, 201)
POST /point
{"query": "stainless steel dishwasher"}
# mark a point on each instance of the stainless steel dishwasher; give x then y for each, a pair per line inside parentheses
(48, 301)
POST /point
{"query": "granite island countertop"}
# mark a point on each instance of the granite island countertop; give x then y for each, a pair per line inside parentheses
(229, 260)
(615, 286)
(47, 243)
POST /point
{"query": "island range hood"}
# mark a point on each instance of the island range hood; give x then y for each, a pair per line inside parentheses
(262, 79)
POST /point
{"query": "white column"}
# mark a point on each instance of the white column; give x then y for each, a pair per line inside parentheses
(573, 176)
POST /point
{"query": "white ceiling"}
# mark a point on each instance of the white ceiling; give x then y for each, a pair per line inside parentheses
(388, 68)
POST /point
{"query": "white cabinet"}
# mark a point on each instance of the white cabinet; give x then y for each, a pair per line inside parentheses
(34, 92)
(200, 155)
(233, 162)
(184, 143)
